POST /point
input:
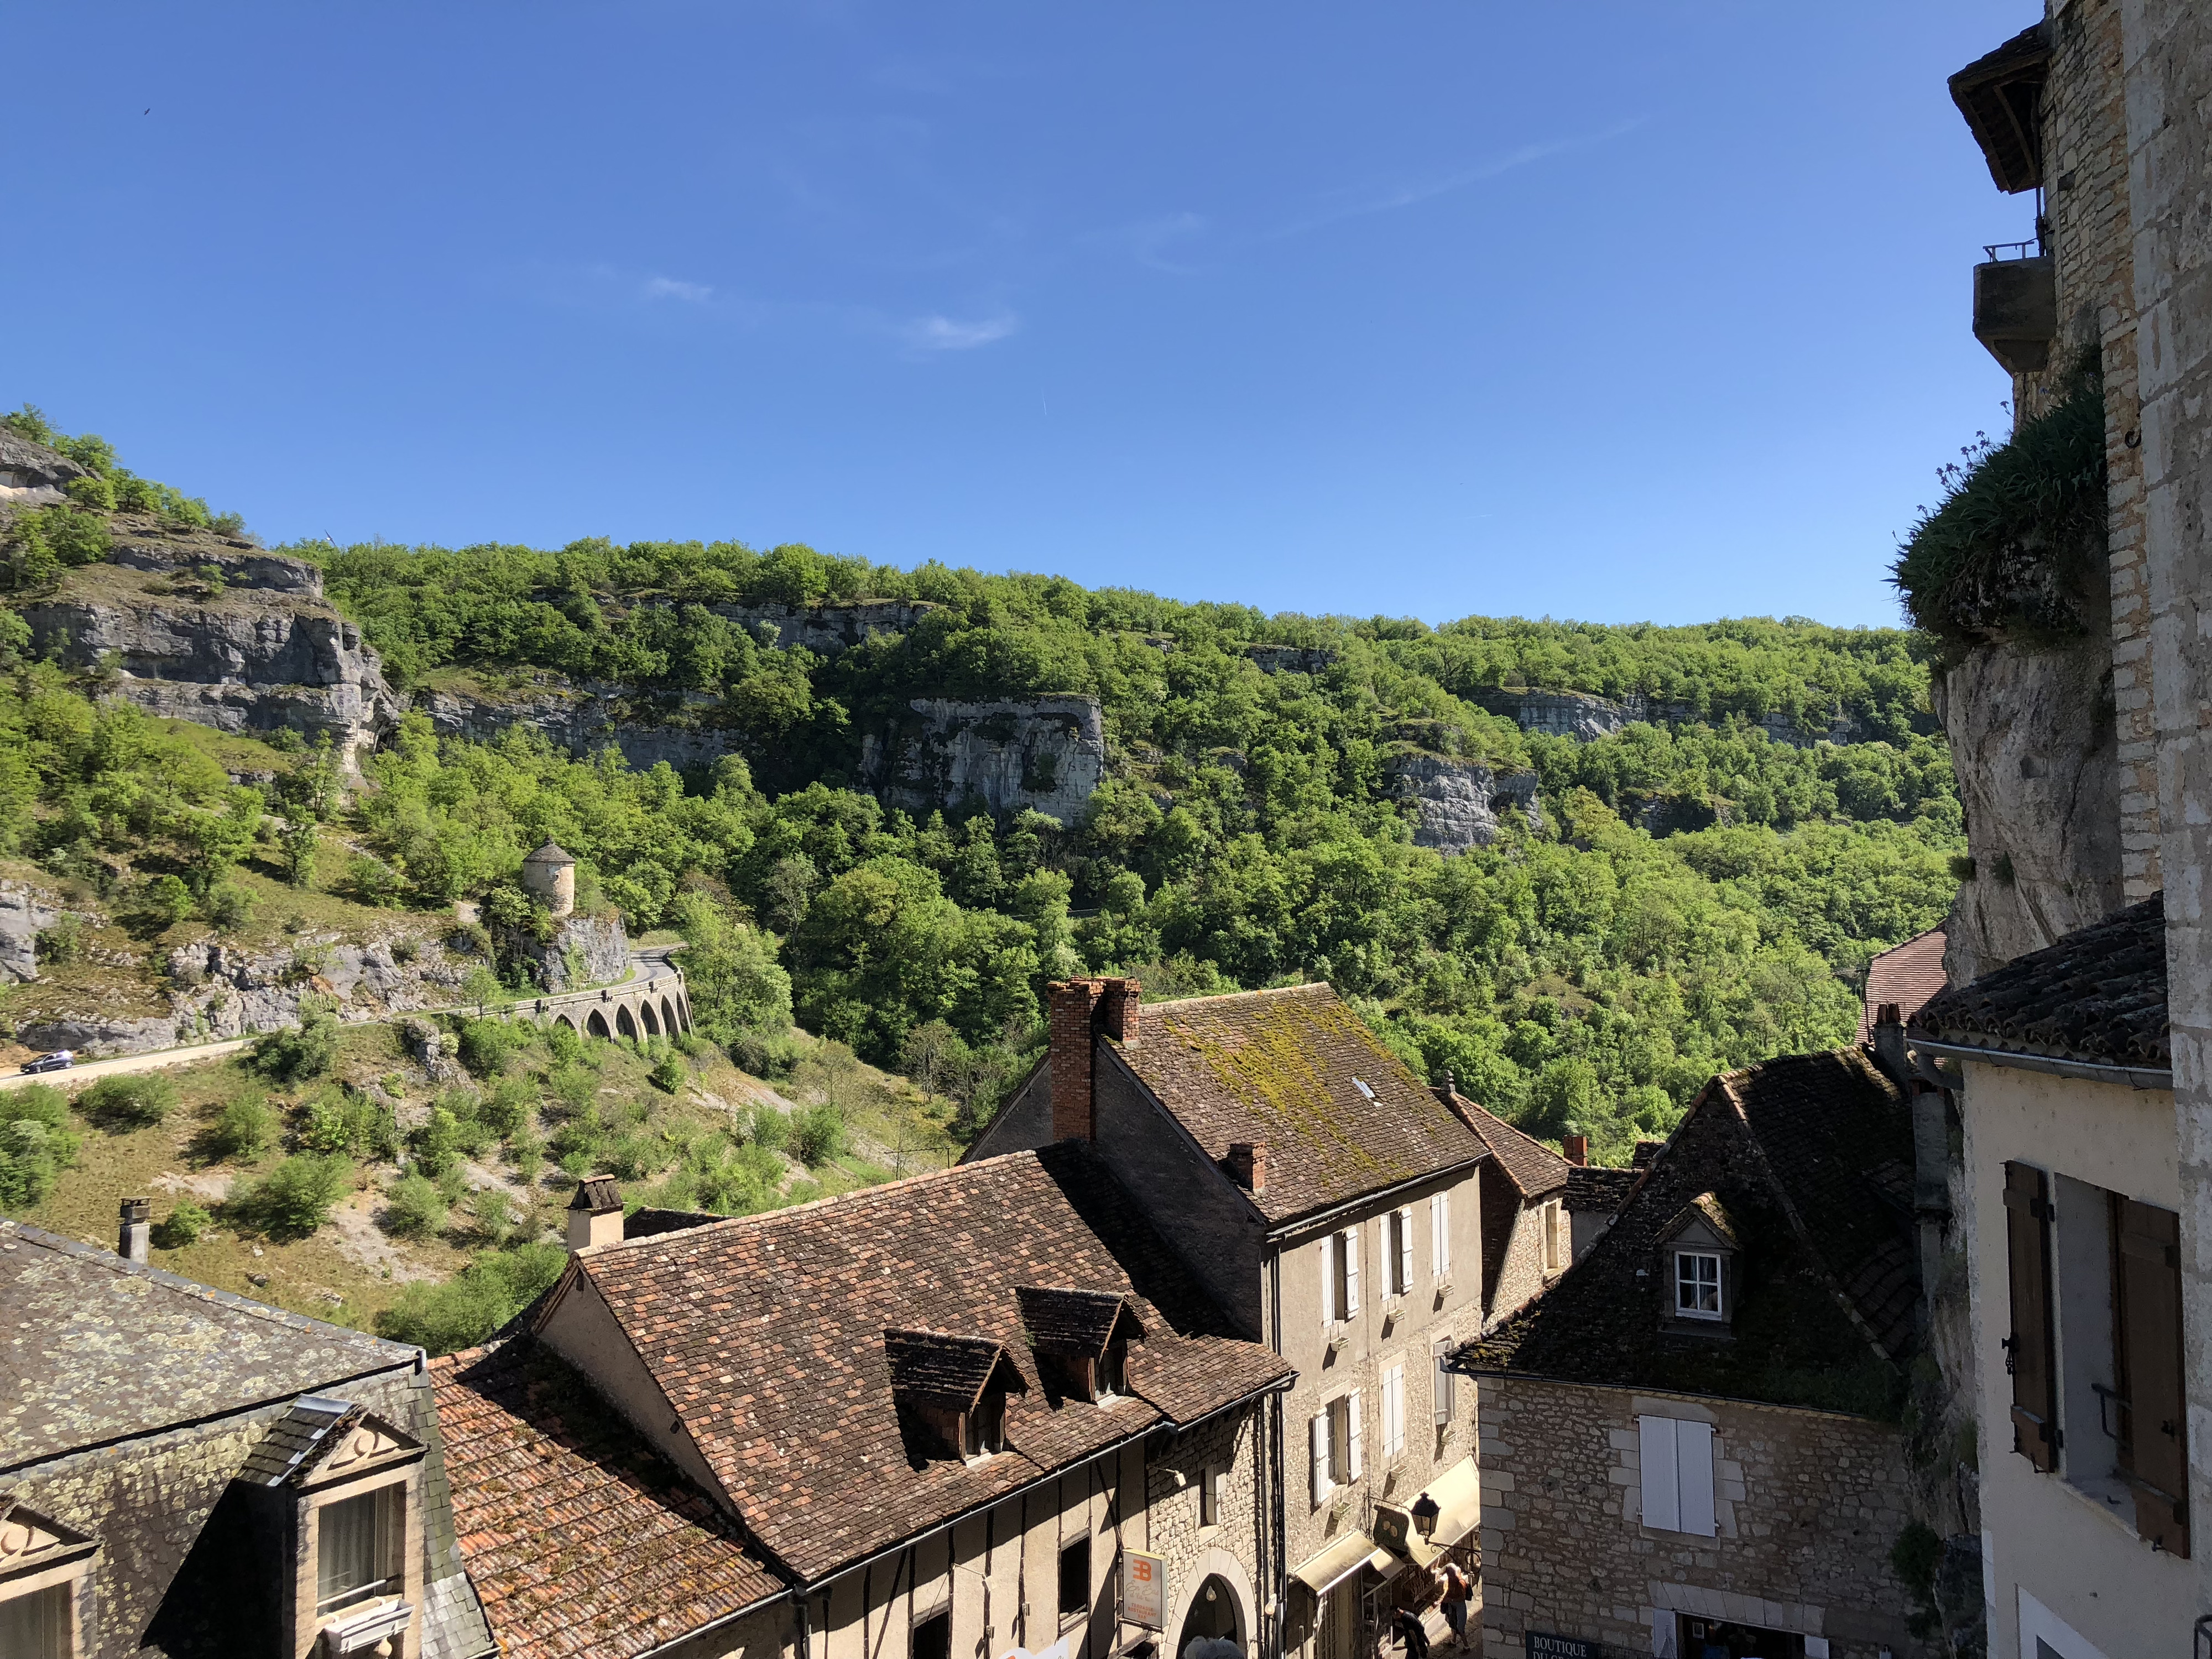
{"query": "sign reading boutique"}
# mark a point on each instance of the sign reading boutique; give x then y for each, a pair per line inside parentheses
(1543, 1646)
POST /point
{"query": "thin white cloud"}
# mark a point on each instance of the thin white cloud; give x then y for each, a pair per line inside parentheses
(667, 288)
(949, 334)
(1148, 241)
(1353, 204)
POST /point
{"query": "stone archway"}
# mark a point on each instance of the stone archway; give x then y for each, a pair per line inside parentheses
(595, 1025)
(645, 1013)
(563, 1019)
(668, 1017)
(624, 1025)
(1233, 1603)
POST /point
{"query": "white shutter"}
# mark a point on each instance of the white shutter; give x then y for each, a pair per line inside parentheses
(1353, 1462)
(1441, 1388)
(1406, 1250)
(1440, 1235)
(1329, 1314)
(1348, 1242)
(1694, 1477)
(1663, 1496)
(1321, 1483)
(1394, 1411)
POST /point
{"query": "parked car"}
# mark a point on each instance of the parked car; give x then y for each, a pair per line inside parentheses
(60, 1060)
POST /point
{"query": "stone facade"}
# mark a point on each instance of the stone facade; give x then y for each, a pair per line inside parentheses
(1808, 1504)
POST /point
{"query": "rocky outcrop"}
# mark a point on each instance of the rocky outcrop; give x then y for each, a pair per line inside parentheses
(1586, 717)
(261, 651)
(25, 912)
(1291, 658)
(33, 474)
(828, 628)
(585, 718)
(222, 990)
(581, 951)
(2032, 738)
(1046, 755)
(1461, 803)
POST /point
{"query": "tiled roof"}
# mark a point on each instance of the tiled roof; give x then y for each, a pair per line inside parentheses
(766, 1334)
(94, 1348)
(1590, 1187)
(1533, 1168)
(551, 853)
(941, 1367)
(1061, 1319)
(1807, 1160)
(579, 1538)
(1907, 974)
(294, 1444)
(2098, 994)
(1285, 1067)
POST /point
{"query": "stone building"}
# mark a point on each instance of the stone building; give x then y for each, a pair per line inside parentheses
(1692, 1439)
(1527, 1237)
(186, 1472)
(549, 874)
(977, 1412)
(2072, 1207)
(1329, 1202)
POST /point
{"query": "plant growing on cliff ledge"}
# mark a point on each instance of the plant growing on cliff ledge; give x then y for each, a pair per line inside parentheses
(2010, 549)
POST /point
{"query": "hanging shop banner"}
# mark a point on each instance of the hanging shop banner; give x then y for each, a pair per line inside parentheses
(1143, 1591)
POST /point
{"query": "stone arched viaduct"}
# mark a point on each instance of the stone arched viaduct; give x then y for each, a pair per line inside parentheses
(653, 1004)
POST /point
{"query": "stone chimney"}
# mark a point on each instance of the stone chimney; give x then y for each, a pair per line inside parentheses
(1446, 1086)
(1577, 1149)
(1071, 1005)
(595, 1214)
(136, 1232)
(1118, 1009)
(1248, 1164)
(1889, 1045)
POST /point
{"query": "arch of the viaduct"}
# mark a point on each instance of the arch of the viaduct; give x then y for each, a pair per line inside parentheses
(655, 1005)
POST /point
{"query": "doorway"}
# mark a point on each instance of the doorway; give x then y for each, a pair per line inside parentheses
(1212, 1617)
(1718, 1638)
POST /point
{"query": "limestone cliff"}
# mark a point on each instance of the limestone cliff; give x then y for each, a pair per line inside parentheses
(1046, 754)
(2033, 739)
(585, 717)
(1586, 717)
(253, 647)
(579, 951)
(827, 629)
(1461, 803)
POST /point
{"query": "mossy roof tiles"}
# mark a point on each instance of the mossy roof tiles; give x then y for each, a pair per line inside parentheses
(580, 1540)
(2098, 994)
(1285, 1067)
(767, 1335)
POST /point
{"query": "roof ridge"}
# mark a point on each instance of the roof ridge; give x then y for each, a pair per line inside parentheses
(92, 1256)
(1305, 987)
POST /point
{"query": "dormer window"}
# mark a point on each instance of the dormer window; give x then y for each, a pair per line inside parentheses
(357, 1548)
(951, 1390)
(1081, 1338)
(1698, 1284)
(42, 1568)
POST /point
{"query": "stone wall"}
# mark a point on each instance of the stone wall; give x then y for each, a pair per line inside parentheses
(1809, 1504)
(1230, 1445)
(1512, 1248)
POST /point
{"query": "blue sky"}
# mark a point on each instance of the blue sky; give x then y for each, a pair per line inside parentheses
(1614, 310)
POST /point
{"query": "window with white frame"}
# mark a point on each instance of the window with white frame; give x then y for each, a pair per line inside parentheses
(1398, 1252)
(1440, 1235)
(1393, 1410)
(1340, 1261)
(1336, 1452)
(1698, 1284)
(357, 1547)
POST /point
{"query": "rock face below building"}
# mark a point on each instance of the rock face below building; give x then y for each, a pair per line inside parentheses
(1461, 803)
(1046, 755)
(581, 951)
(259, 650)
(2031, 739)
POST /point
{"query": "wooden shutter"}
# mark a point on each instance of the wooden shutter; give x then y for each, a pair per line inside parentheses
(1348, 1242)
(1663, 1497)
(2028, 1354)
(1693, 1478)
(1353, 1461)
(1406, 1250)
(1441, 1399)
(1321, 1483)
(2155, 1443)
(1440, 1234)
(1329, 1245)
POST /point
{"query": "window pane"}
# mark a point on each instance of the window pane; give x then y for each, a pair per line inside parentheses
(1698, 1283)
(1075, 1577)
(37, 1626)
(353, 1556)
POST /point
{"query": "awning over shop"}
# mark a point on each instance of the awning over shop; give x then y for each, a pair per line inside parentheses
(1323, 1572)
(1457, 1493)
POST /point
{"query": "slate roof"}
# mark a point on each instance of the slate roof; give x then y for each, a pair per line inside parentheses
(1284, 1067)
(1063, 1320)
(2098, 994)
(1907, 974)
(291, 1447)
(95, 1349)
(1590, 1187)
(766, 1334)
(1809, 1159)
(551, 853)
(579, 1538)
(1535, 1170)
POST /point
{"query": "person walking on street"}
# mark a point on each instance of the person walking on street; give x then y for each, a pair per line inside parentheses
(1410, 1630)
(1459, 1591)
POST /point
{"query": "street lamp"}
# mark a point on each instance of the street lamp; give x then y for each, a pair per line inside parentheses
(1425, 1514)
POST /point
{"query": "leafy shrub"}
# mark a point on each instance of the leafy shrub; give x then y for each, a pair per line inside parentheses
(771, 1057)
(635, 1157)
(294, 1199)
(415, 1208)
(183, 1225)
(668, 1073)
(507, 1105)
(2019, 532)
(565, 1043)
(36, 1144)
(495, 1214)
(228, 906)
(340, 1120)
(577, 1141)
(476, 1302)
(307, 1050)
(63, 943)
(122, 1104)
(244, 1130)
(818, 1135)
(168, 899)
(771, 1129)
(486, 1044)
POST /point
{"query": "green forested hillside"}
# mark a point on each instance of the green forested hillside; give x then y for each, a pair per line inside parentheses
(1580, 973)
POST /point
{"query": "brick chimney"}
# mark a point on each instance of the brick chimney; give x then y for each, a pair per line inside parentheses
(1248, 1164)
(1577, 1148)
(1118, 1009)
(136, 1232)
(1889, 1044)
(1071, 1006)
(595, 1214)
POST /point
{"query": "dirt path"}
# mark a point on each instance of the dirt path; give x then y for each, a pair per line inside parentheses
(93, 1070)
